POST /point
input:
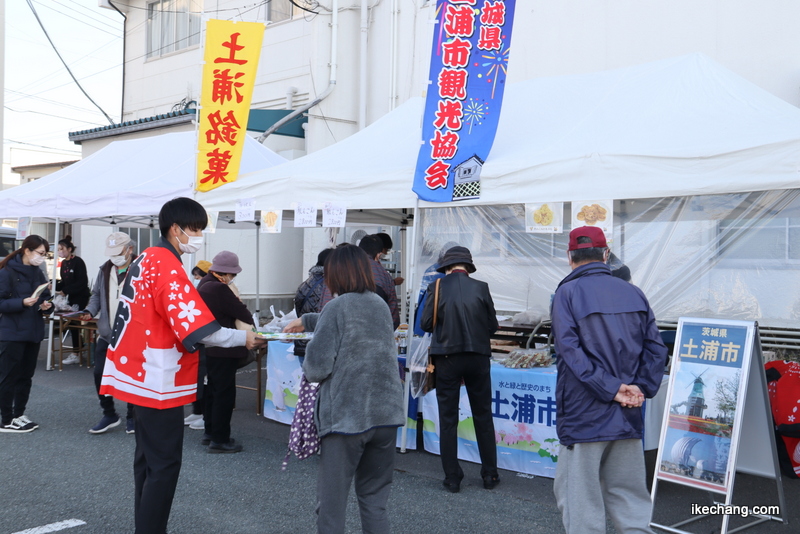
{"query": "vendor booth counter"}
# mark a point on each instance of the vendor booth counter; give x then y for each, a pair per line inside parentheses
(283, 385)
(523, 405)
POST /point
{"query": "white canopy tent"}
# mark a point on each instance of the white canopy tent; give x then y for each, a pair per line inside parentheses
(676, 127)
(124, 183)
(680, 128)
(127, 179)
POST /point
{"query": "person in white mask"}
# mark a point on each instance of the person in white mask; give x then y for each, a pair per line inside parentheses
(160, 323)
(21, 329)
(120, 250)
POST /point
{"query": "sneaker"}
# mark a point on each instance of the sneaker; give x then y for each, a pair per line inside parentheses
(25, 421)
(192, 418)
(206, 439)
(130, 426)
(222, 448)
(18, 426)
(71, 359)
(105, 423)
(198, 425)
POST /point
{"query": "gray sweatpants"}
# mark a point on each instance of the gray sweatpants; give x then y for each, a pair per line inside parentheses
(593, 478)
(367, 457)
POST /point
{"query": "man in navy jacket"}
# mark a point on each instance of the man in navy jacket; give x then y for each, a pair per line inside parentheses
(610, 357)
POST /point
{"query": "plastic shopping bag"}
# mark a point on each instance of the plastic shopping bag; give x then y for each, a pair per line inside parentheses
(421, 379)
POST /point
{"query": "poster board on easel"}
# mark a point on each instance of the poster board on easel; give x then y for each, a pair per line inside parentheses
(717, 419)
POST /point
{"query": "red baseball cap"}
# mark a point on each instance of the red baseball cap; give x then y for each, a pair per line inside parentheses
(592, 232)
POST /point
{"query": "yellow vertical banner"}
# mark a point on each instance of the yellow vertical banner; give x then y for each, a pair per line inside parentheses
(232, 50)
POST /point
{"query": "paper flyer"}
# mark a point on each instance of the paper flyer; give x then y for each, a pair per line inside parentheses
(598, 213)
(544, 218)
(305, 216)
(271, 221)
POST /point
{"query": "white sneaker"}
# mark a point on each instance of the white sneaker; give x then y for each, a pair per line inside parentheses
(25, 421)
(198, 425)
(191, 418)
(71, 359)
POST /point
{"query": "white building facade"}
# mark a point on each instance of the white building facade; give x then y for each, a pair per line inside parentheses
(373, 55)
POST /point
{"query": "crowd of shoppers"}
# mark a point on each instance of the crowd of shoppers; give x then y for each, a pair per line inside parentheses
(156, 330)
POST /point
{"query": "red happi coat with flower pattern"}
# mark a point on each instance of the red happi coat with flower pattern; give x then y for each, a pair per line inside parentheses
(152, 358)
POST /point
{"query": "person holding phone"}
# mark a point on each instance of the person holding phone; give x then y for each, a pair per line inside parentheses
(21, 330)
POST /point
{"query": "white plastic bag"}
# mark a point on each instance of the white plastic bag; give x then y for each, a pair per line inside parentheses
(418, 364)
(61, 304)
(279, 320)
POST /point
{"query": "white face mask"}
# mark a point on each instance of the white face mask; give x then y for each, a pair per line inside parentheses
(119, 261)
(194, 244)
(37, 260)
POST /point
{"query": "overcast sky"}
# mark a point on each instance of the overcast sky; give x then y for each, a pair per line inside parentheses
(42, 103)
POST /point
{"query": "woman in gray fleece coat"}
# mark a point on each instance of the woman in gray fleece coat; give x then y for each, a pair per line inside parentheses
(360, 401)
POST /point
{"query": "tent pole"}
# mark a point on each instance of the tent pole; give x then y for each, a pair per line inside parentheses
(49, 366)
(411, 270)
(258, 269)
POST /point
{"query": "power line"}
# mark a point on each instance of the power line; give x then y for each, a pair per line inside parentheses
(48, 114)
(112, 19)
(73, 18)
(259, 4)
(35, 14)
(42, 146)
(47, 100)
(54, 73)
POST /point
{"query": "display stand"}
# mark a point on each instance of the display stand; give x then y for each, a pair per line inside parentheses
(717, 419)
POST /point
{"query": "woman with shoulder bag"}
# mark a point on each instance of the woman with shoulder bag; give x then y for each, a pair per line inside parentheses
(360, 400)
(219, 395)
(461, 351)
(21, 330)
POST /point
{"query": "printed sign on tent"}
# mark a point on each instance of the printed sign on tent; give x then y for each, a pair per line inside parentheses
(23, 227)
(333, 215)
(467, 79)
(213, 217)
(271, 221)
(547, 218)
(231, 57)
(599, 213)
(245, 210)
(305, 216)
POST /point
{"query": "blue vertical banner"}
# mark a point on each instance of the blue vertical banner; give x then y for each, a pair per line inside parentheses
(471, 44)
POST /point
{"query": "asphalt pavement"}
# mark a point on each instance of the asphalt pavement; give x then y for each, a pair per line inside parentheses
(60, 474)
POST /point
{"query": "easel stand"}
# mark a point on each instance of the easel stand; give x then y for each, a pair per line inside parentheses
(752, 431)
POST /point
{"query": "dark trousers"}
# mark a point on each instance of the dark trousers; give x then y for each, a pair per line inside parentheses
(106, 402)
(369, 457)
(156, 466)
(474, 370)
(219, 397)
(199, 404)
(75, 333)
(17, 365)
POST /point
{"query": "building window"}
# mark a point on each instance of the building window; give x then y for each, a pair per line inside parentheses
(280, 10)
(777, 240)
(172, 25)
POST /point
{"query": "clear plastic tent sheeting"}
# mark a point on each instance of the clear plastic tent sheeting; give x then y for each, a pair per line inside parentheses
(733, 256)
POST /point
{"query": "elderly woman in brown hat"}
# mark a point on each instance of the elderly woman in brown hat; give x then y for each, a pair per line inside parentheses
(460, 348)
(219, 395)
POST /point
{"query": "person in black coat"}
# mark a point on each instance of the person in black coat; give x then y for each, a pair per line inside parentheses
(461, 351)
(219, 395)
(21, 330)
(74, 284)
(308, 297)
